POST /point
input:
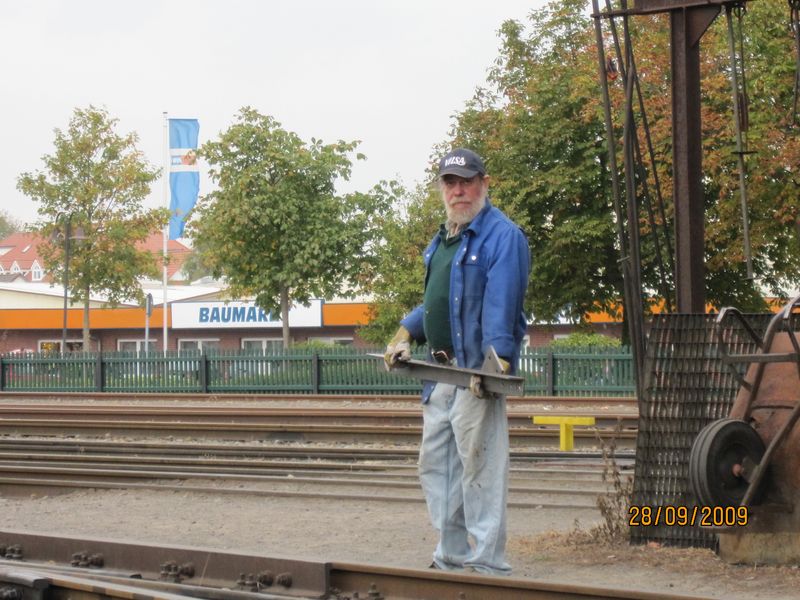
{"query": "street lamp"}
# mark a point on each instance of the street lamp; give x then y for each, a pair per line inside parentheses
(79, 235)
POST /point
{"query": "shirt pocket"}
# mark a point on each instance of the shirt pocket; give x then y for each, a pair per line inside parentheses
(474, 276)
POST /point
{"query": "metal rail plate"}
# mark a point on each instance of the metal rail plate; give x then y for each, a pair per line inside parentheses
(217, 573)
(492, 380)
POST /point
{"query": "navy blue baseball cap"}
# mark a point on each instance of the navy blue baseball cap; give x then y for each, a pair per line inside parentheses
(461, 162)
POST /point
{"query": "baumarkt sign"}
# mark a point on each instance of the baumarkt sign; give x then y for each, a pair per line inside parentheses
(237, 315)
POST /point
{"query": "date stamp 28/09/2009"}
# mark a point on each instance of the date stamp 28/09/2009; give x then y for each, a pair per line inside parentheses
(688, 516)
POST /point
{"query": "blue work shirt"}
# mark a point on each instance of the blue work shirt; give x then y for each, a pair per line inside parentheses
(488, 280)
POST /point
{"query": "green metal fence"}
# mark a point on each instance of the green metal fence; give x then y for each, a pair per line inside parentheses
(298, 371)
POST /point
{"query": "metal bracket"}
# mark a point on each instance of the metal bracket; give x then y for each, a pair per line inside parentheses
(491, 374)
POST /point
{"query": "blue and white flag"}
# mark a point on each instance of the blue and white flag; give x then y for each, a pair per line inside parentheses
(184, 173)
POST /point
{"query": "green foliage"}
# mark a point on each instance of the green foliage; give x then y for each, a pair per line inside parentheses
(772, 182)
(584, 341)
(8, 224)
(541, 146)
(539, 124)
(96, 179)
(275, 227)
(195, 267)
(406, 232)
(317, 345)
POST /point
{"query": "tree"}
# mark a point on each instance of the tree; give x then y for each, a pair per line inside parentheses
(8, 224)
(194, 267)
(275, 227)
(543, 145)
(539, 125)
(96, 180)
(581, 341)
(773, 137)
(406, 231)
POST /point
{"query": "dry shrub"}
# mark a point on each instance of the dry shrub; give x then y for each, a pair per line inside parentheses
(614, 505)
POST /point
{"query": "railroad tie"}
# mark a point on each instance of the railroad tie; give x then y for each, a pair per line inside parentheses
(566, 438)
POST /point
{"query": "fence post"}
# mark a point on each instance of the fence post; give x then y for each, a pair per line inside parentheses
(2, 374)
(98, 373)
(315, 372)
(203, 373)
(550, 374)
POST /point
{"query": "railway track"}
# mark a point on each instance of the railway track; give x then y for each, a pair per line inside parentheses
(567, 402)
(277, 449)
(66, 567)
(83, 443)
(545, 481)
(246, 422)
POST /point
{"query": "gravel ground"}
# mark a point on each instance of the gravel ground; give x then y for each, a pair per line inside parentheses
(544, 544)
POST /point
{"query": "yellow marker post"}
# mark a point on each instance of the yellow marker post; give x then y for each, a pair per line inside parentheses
(565, 427)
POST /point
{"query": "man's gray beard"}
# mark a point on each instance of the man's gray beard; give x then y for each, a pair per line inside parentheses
(460, 218)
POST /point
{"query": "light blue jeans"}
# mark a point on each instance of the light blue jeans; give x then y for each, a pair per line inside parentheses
(463, 469)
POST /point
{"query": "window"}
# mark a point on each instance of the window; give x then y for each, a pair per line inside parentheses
(200, 344)
(37, 274)
(333, 341)
(15, 268)
(55, 345)
(263, 345)
(136, 346)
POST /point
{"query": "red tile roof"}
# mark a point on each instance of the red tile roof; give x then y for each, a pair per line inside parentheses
(24, 250)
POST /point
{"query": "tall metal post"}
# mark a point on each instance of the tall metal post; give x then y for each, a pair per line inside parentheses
(689, 20)
(148, 310)
(687, 27)
(164, 293)
(67, 234)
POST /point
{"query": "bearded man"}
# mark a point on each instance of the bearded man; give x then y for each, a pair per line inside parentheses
(476, 274)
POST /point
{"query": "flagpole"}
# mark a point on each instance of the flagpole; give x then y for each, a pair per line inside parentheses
(166, 230)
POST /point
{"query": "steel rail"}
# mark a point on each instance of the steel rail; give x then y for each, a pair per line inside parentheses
(103, 472)
(308, 451)
(413, 399)
(49, 486)
(311, 431)
(61, 581)
(549, 501)
(216, 572)
(270, 467)
(291, 413)
(306, 416)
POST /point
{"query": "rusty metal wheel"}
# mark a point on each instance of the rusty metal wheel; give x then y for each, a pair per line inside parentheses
(717, 458)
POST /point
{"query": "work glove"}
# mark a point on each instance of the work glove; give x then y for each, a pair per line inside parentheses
(398, 348)
(506, 366)
(476, 381)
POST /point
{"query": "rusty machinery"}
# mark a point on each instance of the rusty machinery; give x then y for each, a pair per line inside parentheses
(750, 460)
(713, 432)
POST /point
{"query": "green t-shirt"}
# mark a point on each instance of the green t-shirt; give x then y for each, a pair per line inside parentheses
(436, 319)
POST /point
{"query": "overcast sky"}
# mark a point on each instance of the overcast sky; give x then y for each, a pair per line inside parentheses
(390, 73)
